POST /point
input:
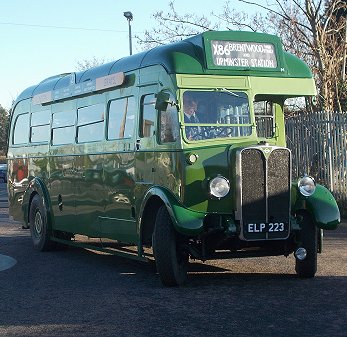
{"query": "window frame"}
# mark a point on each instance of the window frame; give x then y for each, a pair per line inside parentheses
(27, 114)
(160, 114)
(141, 119)
(202, 130)
(90, 123)
(123, 119)
(68, 124)
(265, 117)
(36, 124)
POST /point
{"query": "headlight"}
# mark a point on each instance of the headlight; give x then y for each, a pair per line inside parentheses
(219, 187)
(307, 186)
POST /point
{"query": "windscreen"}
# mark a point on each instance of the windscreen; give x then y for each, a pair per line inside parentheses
(216, 114)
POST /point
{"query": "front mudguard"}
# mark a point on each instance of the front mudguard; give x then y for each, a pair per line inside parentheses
(321, 205)
(185, 221)
(36, 186)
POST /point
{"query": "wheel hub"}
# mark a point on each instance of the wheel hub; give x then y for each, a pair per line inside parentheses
(38, 223)
(300, 254)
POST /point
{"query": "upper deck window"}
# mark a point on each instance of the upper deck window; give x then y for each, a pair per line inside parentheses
(216, 114)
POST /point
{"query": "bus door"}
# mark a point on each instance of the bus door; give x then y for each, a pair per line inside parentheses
(118, 221)
(145, 164)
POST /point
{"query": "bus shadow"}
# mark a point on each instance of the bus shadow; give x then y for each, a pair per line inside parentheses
(202, 276)
(199, 274)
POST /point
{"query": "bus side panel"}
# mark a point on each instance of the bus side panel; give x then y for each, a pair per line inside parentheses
(17, 161)
(62, 189)
(89, 198)
(118, 221)
(17, 184)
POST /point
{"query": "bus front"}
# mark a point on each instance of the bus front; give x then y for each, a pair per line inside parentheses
(237, 187)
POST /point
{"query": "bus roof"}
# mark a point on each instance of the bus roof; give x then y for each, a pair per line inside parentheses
(211, 53)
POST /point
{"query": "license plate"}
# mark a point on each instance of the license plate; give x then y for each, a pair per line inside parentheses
(265, 231)
(266, 228)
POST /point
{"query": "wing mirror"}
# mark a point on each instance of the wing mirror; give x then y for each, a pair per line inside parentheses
(163, 99)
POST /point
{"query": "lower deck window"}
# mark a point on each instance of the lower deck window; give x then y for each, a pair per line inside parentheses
(90, 121)
(91, 132)
(64, 135)
(264, 118)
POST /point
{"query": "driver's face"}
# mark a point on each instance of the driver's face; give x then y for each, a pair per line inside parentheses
(190, 107)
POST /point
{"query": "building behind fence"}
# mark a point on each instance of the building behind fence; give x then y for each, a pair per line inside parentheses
(318, 142)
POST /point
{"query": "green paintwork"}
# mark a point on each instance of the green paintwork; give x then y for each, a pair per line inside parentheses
(212, 160)
(37, 186)
(103, 188)
(321, 205)
(186, 221)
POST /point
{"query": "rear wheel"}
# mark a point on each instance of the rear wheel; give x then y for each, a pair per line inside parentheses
(307, 268)
(171, 260)
(40, 232)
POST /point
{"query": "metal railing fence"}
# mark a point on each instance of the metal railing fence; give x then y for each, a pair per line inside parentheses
(318, 142)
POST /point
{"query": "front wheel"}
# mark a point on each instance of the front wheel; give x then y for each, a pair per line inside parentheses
(307, 268)
(40, 233)
(171, 260)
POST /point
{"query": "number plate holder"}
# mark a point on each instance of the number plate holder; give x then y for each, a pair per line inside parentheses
(265, 231)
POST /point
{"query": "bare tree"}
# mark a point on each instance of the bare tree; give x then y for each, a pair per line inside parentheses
(310, 29)
(232, 19)
(174, 27)
(89, 63)
(4, 125)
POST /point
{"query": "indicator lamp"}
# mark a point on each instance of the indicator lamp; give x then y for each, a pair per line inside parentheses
(192, 158)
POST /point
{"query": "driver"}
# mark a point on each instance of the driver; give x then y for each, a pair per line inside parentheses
(190, 106)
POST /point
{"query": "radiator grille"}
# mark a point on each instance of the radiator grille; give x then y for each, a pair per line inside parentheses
(265, 177)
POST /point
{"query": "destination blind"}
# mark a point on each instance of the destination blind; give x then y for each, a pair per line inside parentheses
(243, 54)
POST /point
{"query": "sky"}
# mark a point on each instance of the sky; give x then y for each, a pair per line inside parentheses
(42, 38)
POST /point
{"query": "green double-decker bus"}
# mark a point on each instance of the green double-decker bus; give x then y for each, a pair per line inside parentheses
(175, 153)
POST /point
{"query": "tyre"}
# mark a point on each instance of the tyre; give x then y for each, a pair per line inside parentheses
(307, 268)
(39, 229)
(171, 260)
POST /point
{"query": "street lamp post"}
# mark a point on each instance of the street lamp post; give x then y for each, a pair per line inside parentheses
(129, 17)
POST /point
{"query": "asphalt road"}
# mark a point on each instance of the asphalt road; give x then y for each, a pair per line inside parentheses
(75, 292)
